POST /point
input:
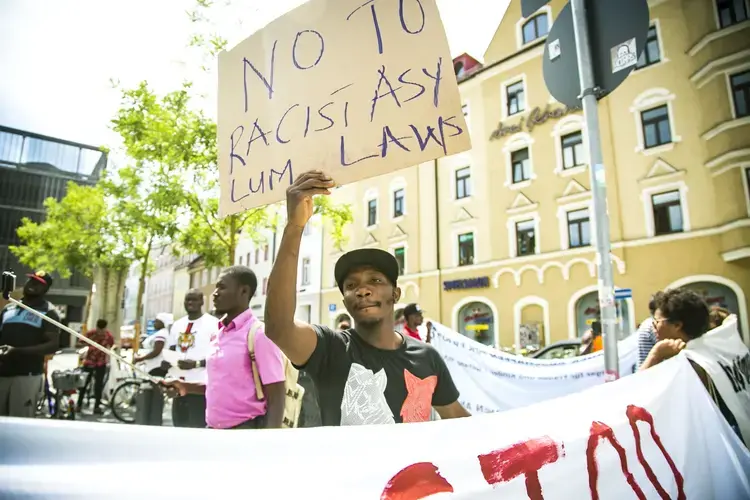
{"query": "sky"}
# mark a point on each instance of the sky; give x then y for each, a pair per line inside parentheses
(59, 57)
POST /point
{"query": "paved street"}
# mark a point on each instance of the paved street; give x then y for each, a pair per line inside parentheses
(69, 361)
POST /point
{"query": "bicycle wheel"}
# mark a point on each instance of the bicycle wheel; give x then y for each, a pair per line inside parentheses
(123, 401)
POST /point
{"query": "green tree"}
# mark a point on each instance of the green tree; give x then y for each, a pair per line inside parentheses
(168, 132)
(76, 234)
(142, 214)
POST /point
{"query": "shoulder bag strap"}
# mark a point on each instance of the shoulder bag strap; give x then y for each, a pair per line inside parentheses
(254, 365)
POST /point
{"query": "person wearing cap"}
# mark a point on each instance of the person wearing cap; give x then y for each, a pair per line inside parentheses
(413, 319)
(25, 339)
(154, 343)
(369, 374)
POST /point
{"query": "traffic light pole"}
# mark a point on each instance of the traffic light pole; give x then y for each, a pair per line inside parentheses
(598, 190)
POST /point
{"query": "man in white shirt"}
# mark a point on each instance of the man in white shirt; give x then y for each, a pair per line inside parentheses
(190, 340)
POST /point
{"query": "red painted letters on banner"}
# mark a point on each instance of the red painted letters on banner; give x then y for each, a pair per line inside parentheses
(423, 479)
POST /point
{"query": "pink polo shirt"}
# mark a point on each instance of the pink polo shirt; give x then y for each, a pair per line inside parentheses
(230, 391)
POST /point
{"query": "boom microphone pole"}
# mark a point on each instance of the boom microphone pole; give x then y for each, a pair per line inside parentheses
(9, 284)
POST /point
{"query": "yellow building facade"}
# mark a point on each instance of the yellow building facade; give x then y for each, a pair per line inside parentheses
(497, 242)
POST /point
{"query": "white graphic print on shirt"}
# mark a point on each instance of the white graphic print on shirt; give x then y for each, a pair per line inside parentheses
(364, 400)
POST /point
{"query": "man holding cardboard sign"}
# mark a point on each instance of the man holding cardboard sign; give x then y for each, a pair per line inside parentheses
(333, 83)
(369, 374)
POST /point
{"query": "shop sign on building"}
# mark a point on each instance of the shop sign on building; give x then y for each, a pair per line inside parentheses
(466, 284)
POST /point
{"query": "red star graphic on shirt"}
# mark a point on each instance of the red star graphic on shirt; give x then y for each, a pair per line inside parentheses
(418, 402)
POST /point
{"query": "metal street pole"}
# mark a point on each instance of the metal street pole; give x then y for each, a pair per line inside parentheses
(598, 190)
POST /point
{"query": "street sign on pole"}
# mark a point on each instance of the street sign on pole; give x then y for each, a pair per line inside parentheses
(617, 32)
(591, 49)
(623, 293)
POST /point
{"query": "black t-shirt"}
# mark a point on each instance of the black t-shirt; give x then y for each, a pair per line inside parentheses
(20, 328)
(359, 384)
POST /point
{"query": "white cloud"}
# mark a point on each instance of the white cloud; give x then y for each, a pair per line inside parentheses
(59, 55)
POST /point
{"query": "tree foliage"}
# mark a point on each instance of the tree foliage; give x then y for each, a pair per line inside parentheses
(77, 233)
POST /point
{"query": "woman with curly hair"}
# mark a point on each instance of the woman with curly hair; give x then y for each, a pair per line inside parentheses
(681, 316)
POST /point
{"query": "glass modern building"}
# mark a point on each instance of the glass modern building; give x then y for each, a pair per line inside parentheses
(33, 168)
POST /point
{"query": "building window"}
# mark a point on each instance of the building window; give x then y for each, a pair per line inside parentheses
(656, 129)
(740, 84)
(465, 249)
(398, 203)
(520, 165)
(265, 285)
(400, 254)
(265, 253)
(525, 238)
(515, 98)
(306, 271)
(463, 183)
(372, 212)
(248, 258)
(534, 28)
(257, 255)
(579, 228)
(651, 53)
(731, 12)
(667, 213)
(458, 68)
(240, 259)
(572, 150)
(476, 321)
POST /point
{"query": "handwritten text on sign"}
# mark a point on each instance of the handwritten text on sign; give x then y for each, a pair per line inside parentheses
(356, 88)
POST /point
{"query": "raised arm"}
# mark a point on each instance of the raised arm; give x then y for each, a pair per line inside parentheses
(296, 339)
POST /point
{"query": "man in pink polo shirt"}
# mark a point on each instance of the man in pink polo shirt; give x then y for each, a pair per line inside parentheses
(231, 400)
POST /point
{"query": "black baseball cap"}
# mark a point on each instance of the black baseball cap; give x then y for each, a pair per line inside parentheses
(412, 309)
(42, 277)
(373, 257)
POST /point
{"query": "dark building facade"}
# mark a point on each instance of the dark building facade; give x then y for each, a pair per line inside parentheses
(33, 168)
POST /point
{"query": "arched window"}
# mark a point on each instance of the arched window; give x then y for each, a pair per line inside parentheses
(534, 28)
(587, 311)
(476, 321)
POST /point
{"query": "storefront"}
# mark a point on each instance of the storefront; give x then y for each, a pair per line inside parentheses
(477, 321)
(716, 294)
(719, 295)
(587, 311)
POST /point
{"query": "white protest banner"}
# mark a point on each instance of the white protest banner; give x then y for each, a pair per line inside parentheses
(655, 434)
(726, 359)
(490, 381)
(354, 88)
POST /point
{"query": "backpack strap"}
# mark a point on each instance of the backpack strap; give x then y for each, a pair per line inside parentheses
(254, 365)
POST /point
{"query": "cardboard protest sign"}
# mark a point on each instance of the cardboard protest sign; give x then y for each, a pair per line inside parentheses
(354, 88)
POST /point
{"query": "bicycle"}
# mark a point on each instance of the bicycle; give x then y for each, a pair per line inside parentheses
(123, 401)
(66, 384)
